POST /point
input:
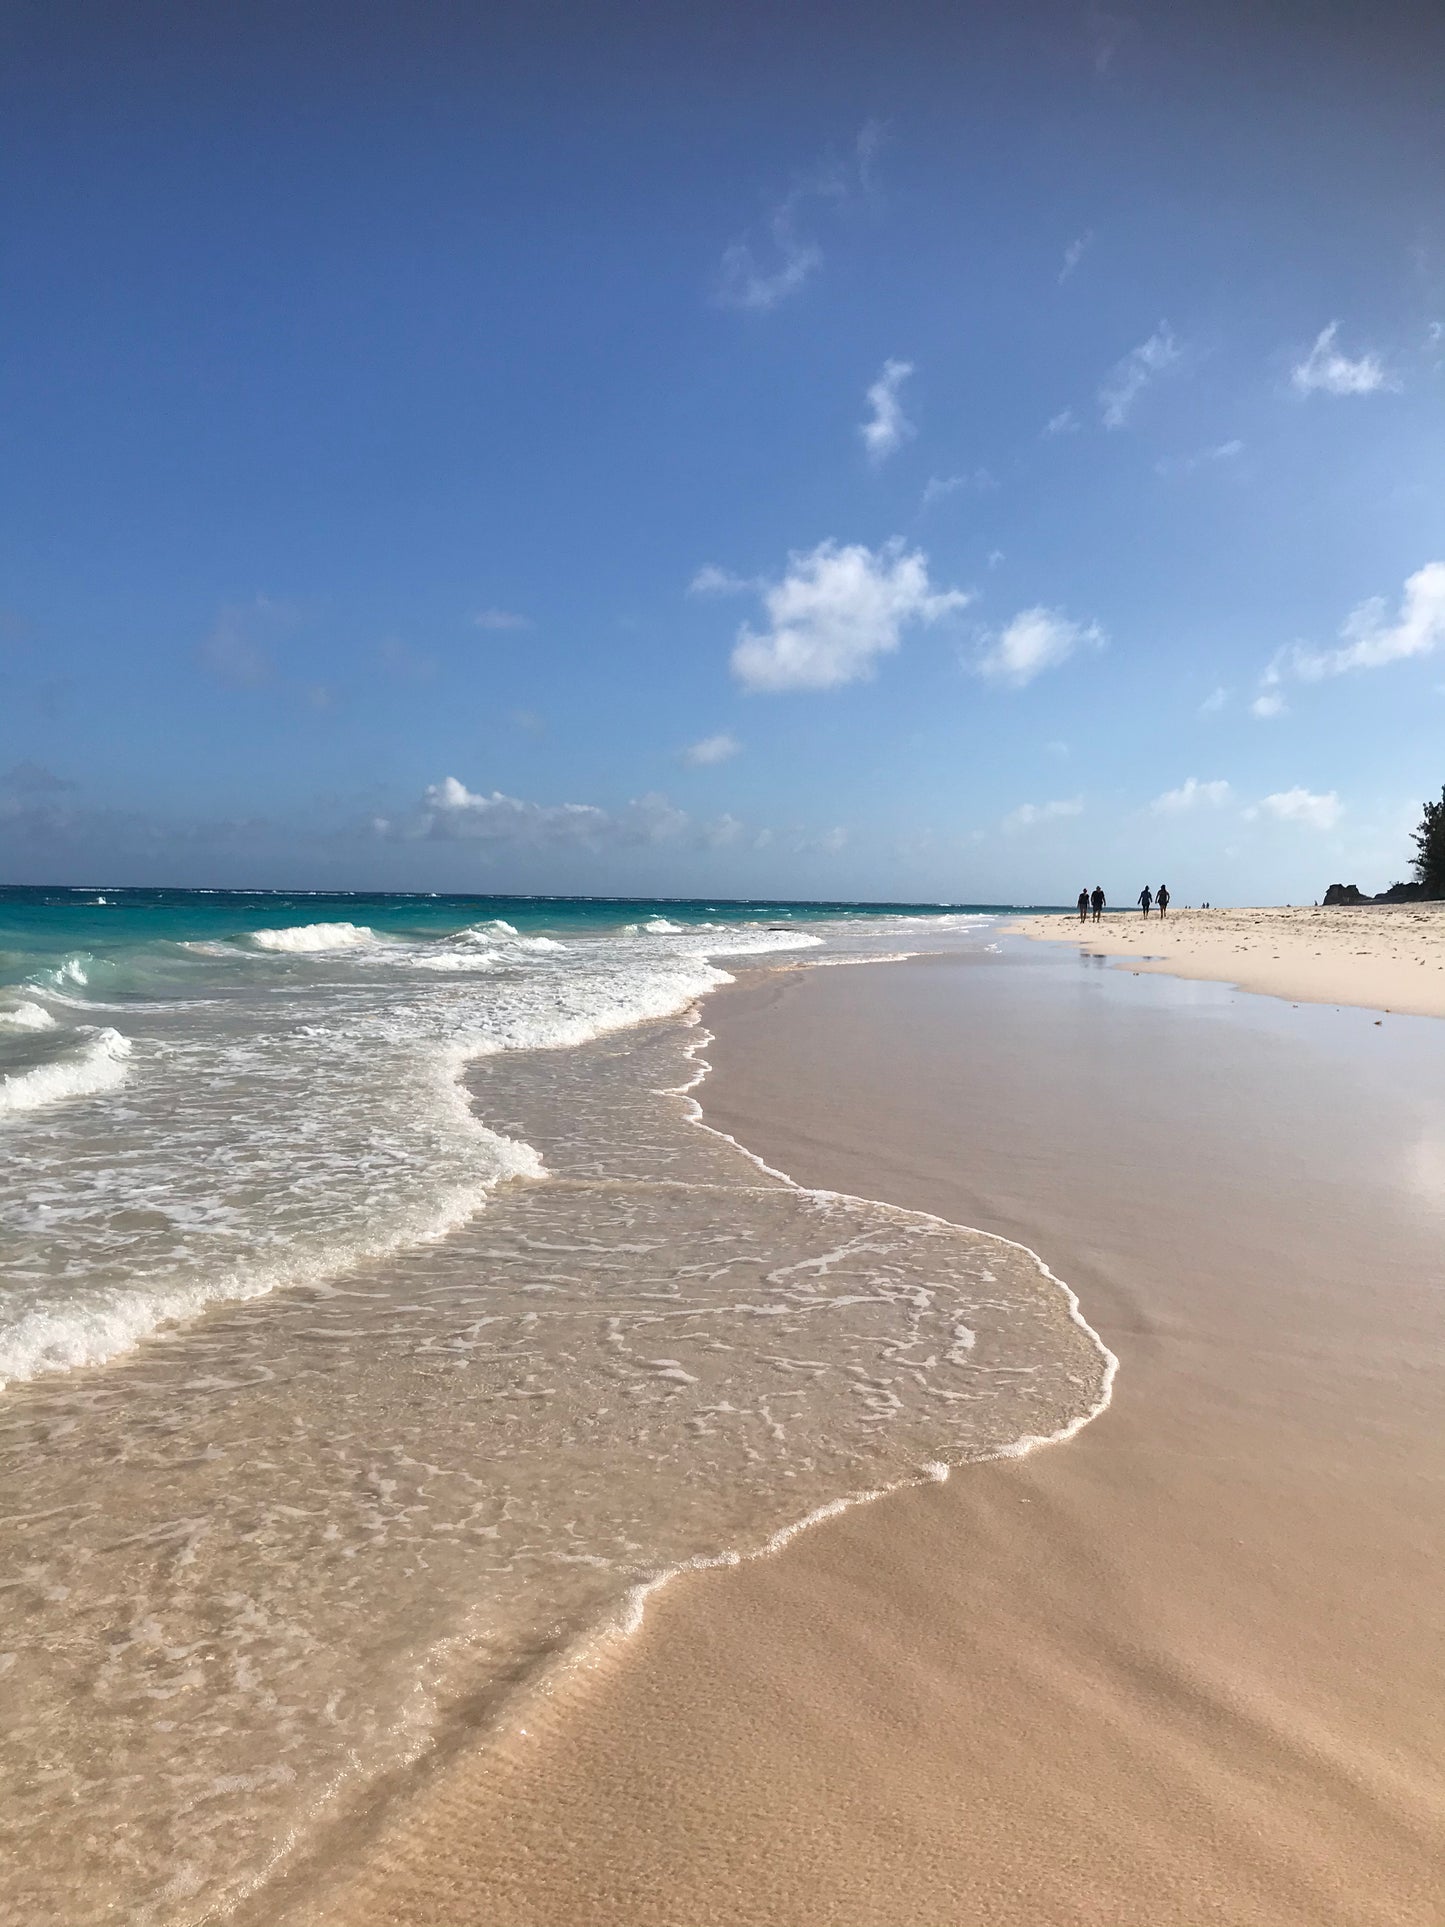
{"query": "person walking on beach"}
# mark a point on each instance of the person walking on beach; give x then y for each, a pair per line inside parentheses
(1162, 899)
(1083, 905)
(1146, 897)
(1096, 901)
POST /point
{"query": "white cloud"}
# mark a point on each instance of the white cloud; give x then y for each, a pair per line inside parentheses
(887, 428)
(758, 280)
(450, 812)
(1066, 422)
(1128, 378)
(1326, 371)
(835, 612)
(500, 619)
(1303, 806)
(1074, 253)
(1266, 707)
(1036, 639)
(1214, 701)
(712, 749)
(1373, 640)
(1028, 814)
(1190, 795)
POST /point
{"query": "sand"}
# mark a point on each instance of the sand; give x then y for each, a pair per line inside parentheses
(1184, 1670)
(1383, 956)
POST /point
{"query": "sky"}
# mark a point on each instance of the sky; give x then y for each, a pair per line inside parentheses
(911, 453)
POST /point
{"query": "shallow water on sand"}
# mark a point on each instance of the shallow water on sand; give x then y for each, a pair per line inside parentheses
(267, 1559)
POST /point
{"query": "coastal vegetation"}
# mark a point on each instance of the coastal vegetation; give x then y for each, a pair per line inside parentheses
(1429, 859)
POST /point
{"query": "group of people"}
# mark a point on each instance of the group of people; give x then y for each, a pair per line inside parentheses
(1094, 901)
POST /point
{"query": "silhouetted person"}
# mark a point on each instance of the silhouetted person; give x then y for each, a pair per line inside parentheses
(1146, 898)
(1083, 905)
(1096, 900)
(1163, 898)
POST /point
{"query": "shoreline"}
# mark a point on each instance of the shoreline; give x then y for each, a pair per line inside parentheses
(304, 1892)
(653, 1795)
(1371, 956)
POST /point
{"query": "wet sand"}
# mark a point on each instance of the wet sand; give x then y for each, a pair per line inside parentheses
(1184, 1670)
(1384, 956)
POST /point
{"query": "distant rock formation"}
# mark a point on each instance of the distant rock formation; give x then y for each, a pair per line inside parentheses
(1350, 893)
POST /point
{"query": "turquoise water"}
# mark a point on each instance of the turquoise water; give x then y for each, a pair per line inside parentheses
(377, 1327)
(208, 1094)
(52, 924)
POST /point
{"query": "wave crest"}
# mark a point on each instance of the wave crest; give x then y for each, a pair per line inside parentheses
(25, 1016)
(99, 1065)
(314, 936)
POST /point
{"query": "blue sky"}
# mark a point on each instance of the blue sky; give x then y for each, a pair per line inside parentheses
(884, 453)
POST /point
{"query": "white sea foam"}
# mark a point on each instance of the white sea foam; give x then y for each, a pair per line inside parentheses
(273, 1121)
(68, 975)
(26, 1016)
(98, 1064)
(314, 936)
(663, 927)
(114, 1320)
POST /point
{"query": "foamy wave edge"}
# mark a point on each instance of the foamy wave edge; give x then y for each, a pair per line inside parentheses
(430, 1751)
(42, 1342)
(98, 1065)
(591, 1646)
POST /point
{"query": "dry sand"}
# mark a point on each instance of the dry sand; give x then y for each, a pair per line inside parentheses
(1185, 1670)
(1384, 956)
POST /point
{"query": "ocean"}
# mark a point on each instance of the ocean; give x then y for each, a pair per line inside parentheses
(380, 1322)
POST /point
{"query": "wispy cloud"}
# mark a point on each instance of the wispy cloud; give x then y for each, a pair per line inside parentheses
(1191, 795)
(757, 274)
(1036, 639)
(1214, 701)
(500, 619)
(712, 749)
(1074, 253)
(1326, 370)
(1066, 422)
(711, 580)
(238, 648)
(1128, 378)
(1372, 639)
(400, 660)
(978, 480)
(1267, 705)
(1027, 814)
(835, 612)
(1202, 458)
(1300, 806)
(887, 427)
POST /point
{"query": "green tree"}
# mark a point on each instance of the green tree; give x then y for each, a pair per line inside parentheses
(1429, 862)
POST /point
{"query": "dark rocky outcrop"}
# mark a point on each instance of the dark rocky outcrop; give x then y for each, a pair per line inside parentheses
(1350, 893)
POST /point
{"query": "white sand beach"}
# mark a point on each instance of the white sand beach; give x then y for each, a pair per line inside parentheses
(1383, 956)
(1180, 1672)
